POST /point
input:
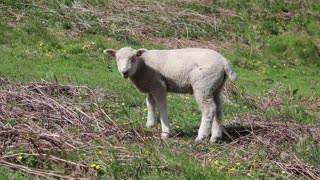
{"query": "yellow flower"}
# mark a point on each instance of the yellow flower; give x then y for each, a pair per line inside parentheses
(283, 172)
(216, 162)
(97, 167)
(20, 157)
(187, 97)
(238, 164)
(232, 169)
(93, 165)
(100, 152)
(122, 104)
(177, 127)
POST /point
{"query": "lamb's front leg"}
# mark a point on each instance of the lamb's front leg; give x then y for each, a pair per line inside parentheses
(161, 103)
(151, 119)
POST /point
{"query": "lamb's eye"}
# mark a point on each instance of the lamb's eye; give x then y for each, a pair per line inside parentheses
(132, 59)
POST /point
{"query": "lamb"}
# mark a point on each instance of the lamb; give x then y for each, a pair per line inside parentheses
(197, 71)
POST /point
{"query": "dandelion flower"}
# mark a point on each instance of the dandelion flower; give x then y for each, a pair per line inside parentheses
(216, 162)
(20, 157)
(97, 167)
(283, 172)
(232, 169)
(93, 165)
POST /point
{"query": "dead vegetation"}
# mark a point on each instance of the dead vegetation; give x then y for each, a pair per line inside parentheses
(158, 21)
(45, 121)
(272, 144)
(267, 146)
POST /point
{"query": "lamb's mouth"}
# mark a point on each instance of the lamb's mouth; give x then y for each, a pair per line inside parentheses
(125, 74)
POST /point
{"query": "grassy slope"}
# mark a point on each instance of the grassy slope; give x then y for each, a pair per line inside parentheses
(272, 46)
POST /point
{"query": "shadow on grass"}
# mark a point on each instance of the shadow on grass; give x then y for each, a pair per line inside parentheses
(231, 132)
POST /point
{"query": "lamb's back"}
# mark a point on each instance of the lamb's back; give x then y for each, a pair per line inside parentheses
(177, 67)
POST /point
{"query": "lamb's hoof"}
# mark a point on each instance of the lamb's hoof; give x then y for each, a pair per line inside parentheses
(214, 139)
(199, 139)
(164, 135)
(151, 124)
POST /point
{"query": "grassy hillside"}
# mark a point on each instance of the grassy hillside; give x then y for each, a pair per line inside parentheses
(59, 89)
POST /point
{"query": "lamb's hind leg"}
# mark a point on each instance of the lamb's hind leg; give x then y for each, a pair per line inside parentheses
(216, 130)
(151, 119)
(208, 109)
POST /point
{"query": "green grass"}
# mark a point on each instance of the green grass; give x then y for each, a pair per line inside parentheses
(6, 174)
(274, 46)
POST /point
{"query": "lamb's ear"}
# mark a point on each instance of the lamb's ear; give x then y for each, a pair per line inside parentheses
(140, 52)
(110, 52)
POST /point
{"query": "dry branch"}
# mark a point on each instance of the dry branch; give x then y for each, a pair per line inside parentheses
(42, 120)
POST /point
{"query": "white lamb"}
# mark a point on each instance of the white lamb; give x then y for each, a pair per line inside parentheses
(202, 72)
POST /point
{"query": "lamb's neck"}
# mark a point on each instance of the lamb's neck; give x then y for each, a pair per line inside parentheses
(139, 75)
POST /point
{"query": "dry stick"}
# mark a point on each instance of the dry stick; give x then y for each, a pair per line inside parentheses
(312, 175)
(226, 133)
(43, 155)
(141, 138)
(79, 110)
(39, 172)
(105, 114)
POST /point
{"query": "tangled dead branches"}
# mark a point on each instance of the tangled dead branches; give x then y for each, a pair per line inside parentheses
(46, 119)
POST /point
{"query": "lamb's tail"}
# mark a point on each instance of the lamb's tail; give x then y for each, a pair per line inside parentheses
(230, 72)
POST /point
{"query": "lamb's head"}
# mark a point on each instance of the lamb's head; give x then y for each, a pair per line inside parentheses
(127, 59)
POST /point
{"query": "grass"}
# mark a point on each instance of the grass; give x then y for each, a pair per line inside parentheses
(274, 47)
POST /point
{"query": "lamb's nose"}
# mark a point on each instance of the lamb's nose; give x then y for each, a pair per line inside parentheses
(125, 74)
